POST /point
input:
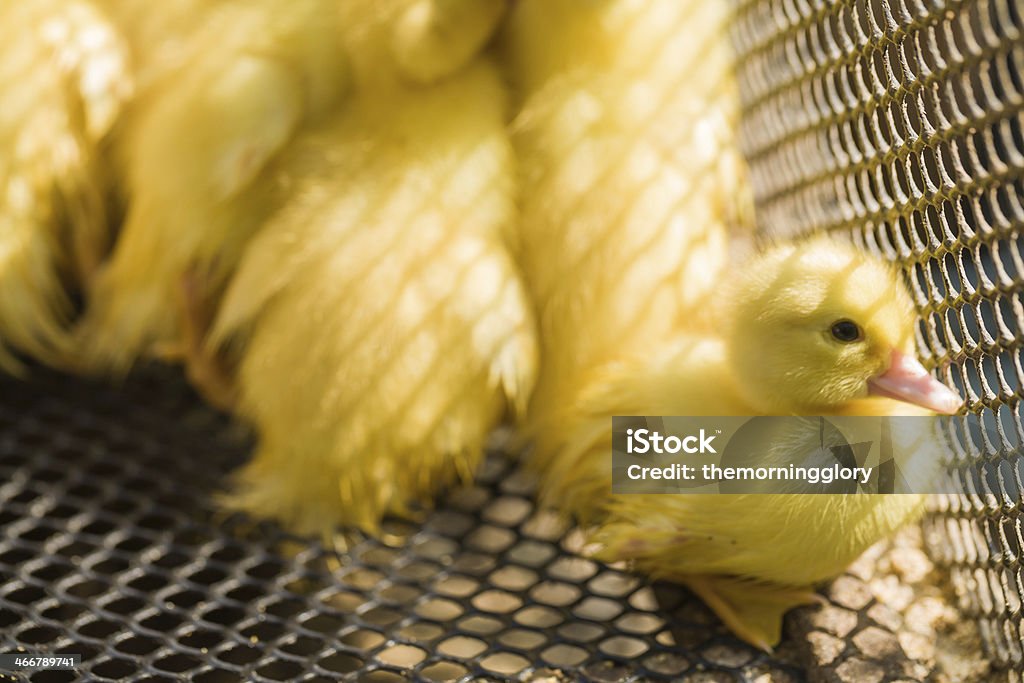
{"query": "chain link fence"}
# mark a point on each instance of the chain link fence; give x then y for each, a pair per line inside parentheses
(900, 122)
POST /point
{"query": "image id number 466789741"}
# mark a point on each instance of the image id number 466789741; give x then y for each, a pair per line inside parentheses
(20, 660)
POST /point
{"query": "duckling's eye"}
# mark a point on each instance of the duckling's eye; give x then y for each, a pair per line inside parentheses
(846, 331)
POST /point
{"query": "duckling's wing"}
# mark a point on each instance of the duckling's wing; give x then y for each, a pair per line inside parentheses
(433, 38)
(225, 87)
(191, 148)
(63, 80)
(381, 321)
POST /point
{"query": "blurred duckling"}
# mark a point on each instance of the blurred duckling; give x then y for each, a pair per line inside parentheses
(379, 322)
(811, 328)
(631, 178)
(64, 78)
(222, 88)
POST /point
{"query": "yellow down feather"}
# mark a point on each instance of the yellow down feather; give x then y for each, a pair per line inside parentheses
(380, 321)
(625, 135)
(222, 88)
(63, 80)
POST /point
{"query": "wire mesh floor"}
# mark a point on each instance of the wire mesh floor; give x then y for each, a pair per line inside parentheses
(112, 549)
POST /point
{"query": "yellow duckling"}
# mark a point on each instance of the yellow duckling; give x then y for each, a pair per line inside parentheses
(630, 175)
(222, 88)
(380, 320)
(812, 328)
(64, 77)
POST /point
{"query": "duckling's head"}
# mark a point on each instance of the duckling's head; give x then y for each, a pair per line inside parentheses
(814, 325)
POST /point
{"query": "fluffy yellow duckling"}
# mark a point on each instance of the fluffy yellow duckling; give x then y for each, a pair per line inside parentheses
(813, 328)
(222, 88)
(381, 322)
(630, 175)
(63, 80)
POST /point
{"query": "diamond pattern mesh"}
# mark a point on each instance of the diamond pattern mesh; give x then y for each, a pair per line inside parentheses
(111, 549)
(900, 121)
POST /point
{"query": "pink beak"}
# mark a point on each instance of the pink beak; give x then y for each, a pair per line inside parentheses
(907, 380)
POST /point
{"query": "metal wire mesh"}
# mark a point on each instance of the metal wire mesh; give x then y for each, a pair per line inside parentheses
(111, 549)
(900, 122)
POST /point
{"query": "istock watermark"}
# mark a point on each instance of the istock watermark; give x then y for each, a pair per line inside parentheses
(807, 455)
(646, 441)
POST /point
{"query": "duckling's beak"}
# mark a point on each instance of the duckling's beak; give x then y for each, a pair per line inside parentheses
(907, 380)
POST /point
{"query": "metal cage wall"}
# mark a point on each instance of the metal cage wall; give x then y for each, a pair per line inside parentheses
(900, 121)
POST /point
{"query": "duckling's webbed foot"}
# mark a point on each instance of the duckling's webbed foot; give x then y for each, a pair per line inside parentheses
(753, 611)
